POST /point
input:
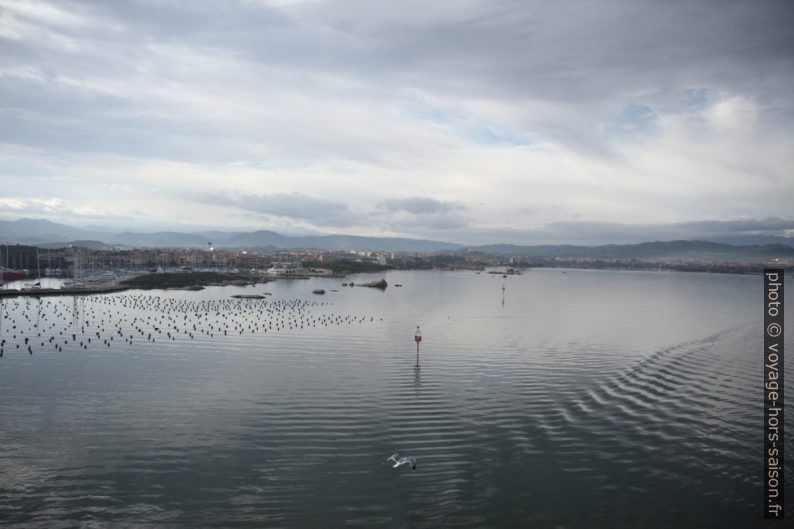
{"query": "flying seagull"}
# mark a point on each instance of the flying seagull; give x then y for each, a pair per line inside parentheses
(399, 461)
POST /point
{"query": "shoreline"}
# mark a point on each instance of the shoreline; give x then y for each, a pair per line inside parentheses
(106, 289)
(121, 287)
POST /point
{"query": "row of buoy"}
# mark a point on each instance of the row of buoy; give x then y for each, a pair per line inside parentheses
(130, 318)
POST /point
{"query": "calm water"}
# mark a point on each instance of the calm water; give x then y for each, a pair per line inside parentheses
(587, 399)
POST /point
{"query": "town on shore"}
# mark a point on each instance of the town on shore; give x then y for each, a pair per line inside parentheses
(86, 265)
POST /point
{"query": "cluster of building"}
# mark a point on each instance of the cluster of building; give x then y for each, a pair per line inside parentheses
(98, 263)
(273, 262)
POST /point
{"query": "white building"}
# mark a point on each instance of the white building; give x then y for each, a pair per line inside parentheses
(286, 269)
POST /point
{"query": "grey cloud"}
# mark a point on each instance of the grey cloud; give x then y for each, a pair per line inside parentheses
(594, 60)
(295, 206)
(61, 210)
(683, 230)
(740, 231)
(445, 221)
(742, 226)
(572, 51)
(420, 205)
(419, 213)
(346, 84)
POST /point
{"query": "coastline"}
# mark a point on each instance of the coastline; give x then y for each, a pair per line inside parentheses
(201, 280)
(99, 289)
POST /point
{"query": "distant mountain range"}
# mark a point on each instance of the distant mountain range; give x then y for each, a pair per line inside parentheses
(44, 233)
(50, 234)
(651, 251)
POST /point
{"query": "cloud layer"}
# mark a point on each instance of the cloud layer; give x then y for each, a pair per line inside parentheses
(454, 118)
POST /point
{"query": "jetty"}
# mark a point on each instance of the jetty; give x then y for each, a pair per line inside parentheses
(72, 291)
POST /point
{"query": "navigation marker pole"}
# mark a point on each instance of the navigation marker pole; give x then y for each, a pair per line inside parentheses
(417, 339)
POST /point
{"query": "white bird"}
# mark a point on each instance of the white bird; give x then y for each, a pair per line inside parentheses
(399, 461)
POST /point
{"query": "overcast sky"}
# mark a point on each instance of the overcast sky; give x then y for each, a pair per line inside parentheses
(460, 120)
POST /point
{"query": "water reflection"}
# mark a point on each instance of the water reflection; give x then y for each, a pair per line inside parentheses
(591, 400)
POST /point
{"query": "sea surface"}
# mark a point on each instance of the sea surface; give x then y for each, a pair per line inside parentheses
(572, 398)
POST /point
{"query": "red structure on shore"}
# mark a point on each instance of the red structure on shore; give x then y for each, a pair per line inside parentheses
(12, 275)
